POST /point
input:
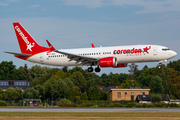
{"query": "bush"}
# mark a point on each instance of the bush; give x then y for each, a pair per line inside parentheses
(77, 98)
(131, 105)
(116, 105)
(88, 105)
(173, 105)
(67, 105)
(159, 105)
(156, 98)
(3, 103)
(65, 101)
(144, 105)
(139, 105)
(102, 105)
(41, 104)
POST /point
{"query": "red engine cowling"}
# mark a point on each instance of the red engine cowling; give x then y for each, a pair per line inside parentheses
(121, 65)
(108, 62)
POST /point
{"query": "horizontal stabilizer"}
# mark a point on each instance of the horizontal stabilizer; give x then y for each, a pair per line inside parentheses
(20, 54)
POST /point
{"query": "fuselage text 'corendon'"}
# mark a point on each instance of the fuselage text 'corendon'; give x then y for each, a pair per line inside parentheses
(116, 56)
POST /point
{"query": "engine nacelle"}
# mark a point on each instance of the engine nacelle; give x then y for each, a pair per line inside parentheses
(121, 65)
(108, 62)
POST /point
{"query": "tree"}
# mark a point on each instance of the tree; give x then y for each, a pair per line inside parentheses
(20, 74)
(78, 80)
(173, 92)
(145, 67)
(30, 93)
(61, 88)
(132, 71)
(19, 90)
(8, 71)
(155, 98)
(77, 69)
(105, 80)
(104, 96)
(41, 90)
(69, 82)
(26, 72)
(65, 69)
(145, 77)
(11, 94)
(1, 94)
(156, 85)
(129, 83)
(122, 77)
(175, 78)
(84, 96)
(60, 74)
(49, 74)
(36, 72)
(94, 93)
(175, 65)
(49, 85)
(115, 82)
(165, 74)
(75, 89)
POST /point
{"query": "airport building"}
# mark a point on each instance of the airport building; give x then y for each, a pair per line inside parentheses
(23, 84)
(127, 94)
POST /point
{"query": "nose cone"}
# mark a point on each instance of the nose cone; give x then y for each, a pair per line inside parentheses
(173, 53)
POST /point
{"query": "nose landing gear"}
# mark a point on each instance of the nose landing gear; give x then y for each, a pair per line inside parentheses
(160, 65)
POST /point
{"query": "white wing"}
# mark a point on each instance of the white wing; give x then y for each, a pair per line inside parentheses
(80, 59)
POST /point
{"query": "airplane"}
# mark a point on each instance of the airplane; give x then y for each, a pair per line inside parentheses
(114, 57)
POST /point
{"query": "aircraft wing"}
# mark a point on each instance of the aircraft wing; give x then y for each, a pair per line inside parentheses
(82, 60)
(20, 54)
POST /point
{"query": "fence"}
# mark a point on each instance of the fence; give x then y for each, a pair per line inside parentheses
(55, 103)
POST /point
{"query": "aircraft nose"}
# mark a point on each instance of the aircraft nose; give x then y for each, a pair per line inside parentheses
(173, 53)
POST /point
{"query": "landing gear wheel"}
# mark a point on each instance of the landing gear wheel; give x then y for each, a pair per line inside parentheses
(97, 69)
(160, 65)
(90, 69)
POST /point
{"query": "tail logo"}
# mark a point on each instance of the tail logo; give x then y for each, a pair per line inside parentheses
(29, 45)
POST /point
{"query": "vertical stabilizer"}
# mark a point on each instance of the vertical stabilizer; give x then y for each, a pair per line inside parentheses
(27, 44)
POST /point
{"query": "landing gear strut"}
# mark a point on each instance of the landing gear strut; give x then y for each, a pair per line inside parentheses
(160, 63)
(97, 69)
(90, 69)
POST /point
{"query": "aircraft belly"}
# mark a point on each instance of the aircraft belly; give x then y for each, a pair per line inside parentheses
(132, 58)
(60, 62)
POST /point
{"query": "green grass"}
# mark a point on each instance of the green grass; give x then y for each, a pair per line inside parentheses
(90, 114)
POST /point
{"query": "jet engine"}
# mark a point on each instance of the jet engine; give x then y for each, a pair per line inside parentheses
(119, 65)
(108, 62)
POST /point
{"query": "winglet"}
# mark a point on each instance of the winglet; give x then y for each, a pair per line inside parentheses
(50, 46)
(92, 45)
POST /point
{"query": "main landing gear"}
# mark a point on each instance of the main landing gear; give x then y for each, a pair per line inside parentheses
(90, 69)
(97, 69)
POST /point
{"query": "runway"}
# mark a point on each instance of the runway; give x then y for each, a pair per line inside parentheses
(89, 109)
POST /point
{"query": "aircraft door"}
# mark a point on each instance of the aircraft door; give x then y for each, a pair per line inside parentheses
(41, 58)
(155, 51)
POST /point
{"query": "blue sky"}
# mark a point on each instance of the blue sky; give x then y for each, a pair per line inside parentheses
(78, 23)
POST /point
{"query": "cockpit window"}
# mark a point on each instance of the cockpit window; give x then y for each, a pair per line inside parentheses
(165, 49)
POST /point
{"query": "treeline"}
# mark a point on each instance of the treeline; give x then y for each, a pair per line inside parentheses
(78, 84)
